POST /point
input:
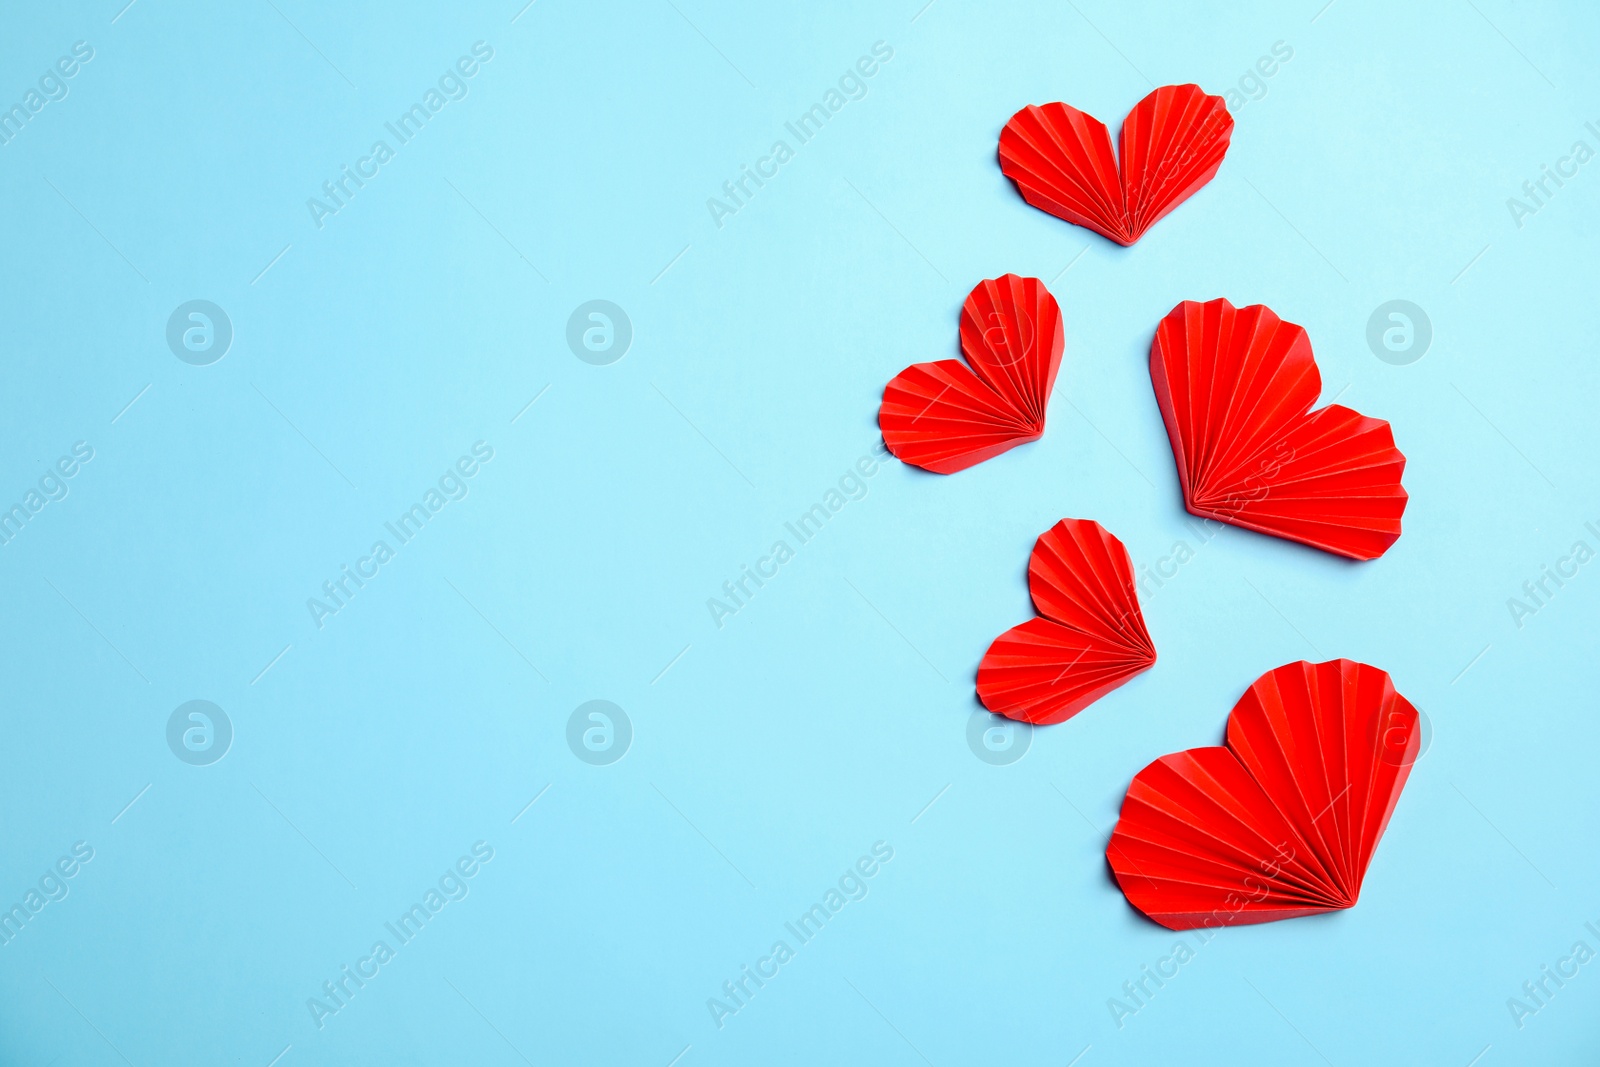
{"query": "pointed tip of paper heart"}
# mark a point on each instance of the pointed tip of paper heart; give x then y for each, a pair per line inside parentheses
(1088, 638)
(1282, 819)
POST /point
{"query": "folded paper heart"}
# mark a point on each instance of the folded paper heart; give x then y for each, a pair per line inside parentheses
(1171, 144)
(947, 416)
(1090, 636)
(1281, 821)
(1235, 387)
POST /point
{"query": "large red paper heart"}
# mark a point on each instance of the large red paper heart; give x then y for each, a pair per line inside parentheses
(1171, 144)
(1089, 639)
(946, 416)
(1235, 388)
(1281, 821)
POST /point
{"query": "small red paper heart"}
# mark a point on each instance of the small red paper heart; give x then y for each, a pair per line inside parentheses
(1171, 144)
(1235, 388)
(946, 416)
(1283, 820)
(1089, 639)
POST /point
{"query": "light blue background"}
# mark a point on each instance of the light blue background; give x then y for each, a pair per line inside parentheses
(830, 711)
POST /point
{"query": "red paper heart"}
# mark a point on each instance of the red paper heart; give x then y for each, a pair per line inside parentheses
(1235, 388)
(1091, 636)
(1283, 820)
(946, 416)
(1171, 144)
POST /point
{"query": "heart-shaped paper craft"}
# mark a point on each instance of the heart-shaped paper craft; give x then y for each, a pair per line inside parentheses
(1171, 144)
(1089, 639)
(1281, 821)
(1235, 388)
(946, 416)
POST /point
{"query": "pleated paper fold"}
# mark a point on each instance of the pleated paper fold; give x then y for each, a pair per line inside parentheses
(947, 416)
(1171, 144)
(1283, 819)
(1235, 387)
(1089, 637)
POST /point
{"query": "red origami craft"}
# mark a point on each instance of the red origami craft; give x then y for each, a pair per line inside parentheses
(1235, 388)
(1171, 144)
(946, 416)
(1089, 639)
(1283, 820)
